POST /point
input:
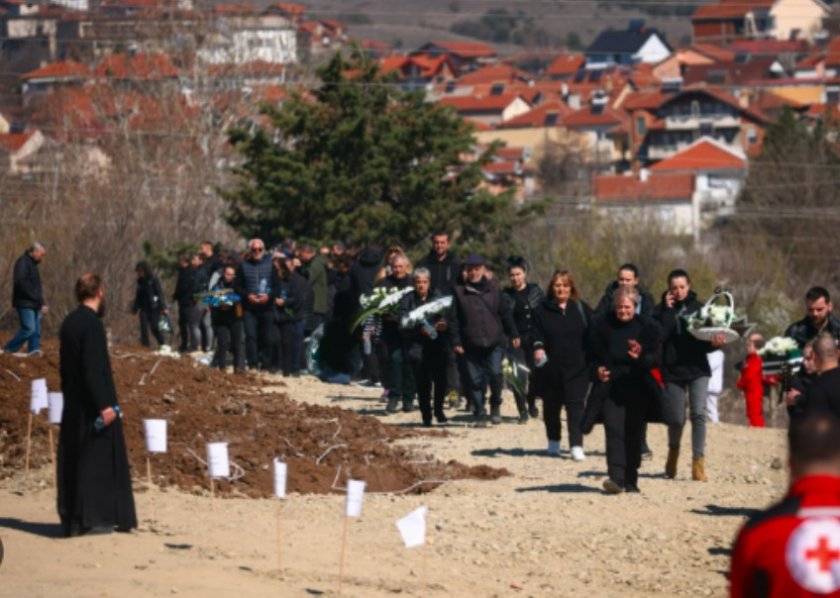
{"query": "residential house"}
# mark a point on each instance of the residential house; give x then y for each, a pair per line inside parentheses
(242, 37)
(696, 55)
(16, 149)
(565, 66)
(668, 121)
(720, 171)
(748, 19)
(593, 123)
(508, 170)
(466, 56)
(138, 71)
(419, 71)
(664, 198)
(490, 109)
(50, 76)
(318, 37)
(626, 47)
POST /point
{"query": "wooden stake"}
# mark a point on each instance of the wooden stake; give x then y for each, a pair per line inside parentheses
(279, 536)
(151, 493)
(52, 458)
(212, 493)
(341, 559)
(28, 441)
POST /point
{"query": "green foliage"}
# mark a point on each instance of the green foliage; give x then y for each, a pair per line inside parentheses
(363, 162)
(573, 42)
(502, 26)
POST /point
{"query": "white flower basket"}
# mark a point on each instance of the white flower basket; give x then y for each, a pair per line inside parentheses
(716, 318)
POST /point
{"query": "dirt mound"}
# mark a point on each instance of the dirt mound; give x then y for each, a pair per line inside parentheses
(323, 446)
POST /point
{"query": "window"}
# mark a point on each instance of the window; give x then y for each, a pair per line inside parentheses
(752, 135)
(695, 108)
(551, 119)
(497, 89)
(641, 125)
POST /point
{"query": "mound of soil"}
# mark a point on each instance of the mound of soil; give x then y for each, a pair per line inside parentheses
(323, 446)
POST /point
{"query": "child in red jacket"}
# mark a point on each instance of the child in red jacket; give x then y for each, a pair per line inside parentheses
(751, 381)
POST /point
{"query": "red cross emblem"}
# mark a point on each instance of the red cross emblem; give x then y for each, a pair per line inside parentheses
(812, 555)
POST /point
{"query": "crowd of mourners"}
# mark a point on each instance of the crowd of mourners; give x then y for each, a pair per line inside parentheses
(625, 362)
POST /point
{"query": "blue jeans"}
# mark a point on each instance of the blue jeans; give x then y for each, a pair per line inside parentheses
(30, 330)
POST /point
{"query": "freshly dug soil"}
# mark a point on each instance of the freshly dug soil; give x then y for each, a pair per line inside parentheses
(323, 446)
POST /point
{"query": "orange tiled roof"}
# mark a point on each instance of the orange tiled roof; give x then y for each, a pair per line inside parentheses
(566, 64)
(658, 187)
(293, 10)
(640, 100)
(823, 111)
(715, 52)
(63, 69)
(12, 142)
(586, 117)
(489, 103)
(496, 73)
(729, 10)
(832, 52)
(138, 66)
(539, 116)
(467, 49)
(701, 155)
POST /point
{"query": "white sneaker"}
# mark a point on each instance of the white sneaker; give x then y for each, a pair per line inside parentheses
(553, 448)
(578, 454)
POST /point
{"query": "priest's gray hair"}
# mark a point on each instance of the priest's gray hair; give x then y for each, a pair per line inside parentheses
(622, 293)
(423, 272)
(36, 246)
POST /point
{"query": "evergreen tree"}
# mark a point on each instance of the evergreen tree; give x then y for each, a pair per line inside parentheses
(360, 160)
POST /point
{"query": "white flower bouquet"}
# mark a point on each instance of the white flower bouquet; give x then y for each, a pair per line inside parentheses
(717, 318)
(422, 314)
(515, 375)
(778, 352)
(381, 301)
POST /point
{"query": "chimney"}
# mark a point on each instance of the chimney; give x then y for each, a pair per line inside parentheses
(574, 101)
(644, 174)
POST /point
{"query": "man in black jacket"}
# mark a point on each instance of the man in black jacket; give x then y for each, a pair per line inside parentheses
(823, 395)
(253, 284)
(28, 300)
(818, 318)
(188, 311)
(478, 322)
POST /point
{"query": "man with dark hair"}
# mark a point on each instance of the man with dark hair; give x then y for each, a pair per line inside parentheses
(94, 482)
(184, 296)
(209, 264)
(441, 264)
(314, 269)
(793, 548)
(818, 318)
(478, 322)
(28, 300)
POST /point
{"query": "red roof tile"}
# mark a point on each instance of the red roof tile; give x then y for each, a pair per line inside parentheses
(467, 49)
(823, 111)
(729, 10)
(767, 46)
(650, 100)
(64, 69)
(715, 52)
(565, 64)
(704, 154)
(496, 73)
(294, 11)
(138, 66)
(658, 187)
(12, 142)
(586, 117)
(832, 52)
(540, 116)
(490, 104)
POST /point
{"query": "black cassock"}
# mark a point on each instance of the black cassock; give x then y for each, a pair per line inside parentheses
(94, 481)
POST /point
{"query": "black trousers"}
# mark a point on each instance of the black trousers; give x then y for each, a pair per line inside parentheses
(572, 394)
(229, 337)
(150, 319)
(624, 419)
(259, 332)
(430, 380)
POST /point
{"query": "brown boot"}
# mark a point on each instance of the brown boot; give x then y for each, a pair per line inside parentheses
(697, 472)
(671, 463)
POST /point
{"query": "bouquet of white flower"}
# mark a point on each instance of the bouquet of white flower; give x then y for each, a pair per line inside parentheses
(422, 314)
(715, 318)
(380, 301)
(778, 352)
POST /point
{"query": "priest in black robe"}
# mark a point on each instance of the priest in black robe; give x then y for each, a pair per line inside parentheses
(94, 481)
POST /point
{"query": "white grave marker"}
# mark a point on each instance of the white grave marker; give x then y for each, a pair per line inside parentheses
(280, 471)
(155, 430)
(38, 399)
(55, 402)
(355, 494)
(218, 463)
(413, 527)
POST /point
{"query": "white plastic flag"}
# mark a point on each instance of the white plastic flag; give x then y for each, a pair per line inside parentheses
(55, 402)
(280, 470)
(413, 527)
(355, 494)
(218, 462)
(155, 431)
(38, 399)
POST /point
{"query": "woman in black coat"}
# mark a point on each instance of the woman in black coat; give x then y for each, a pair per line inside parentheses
(560, 325)
(226, 316)
(524, 297)
(685, 371)
(293, 304)
(624, 347)
(149, 303)
(425, 354)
